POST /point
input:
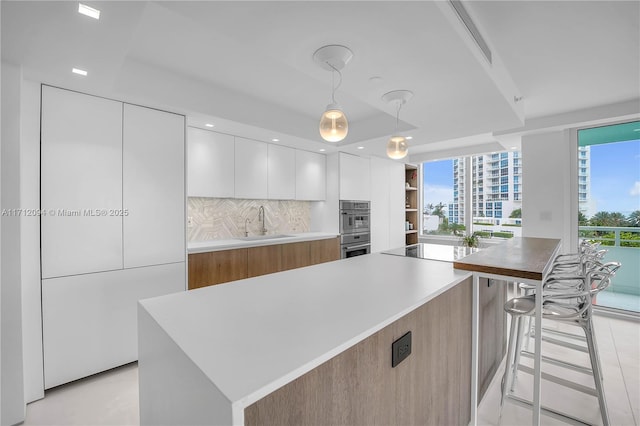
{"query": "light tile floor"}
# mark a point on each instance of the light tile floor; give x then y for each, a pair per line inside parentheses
(111, 398)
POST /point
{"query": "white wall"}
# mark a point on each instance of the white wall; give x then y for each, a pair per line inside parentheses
(12, 393)
(30, 241)
(547, 207)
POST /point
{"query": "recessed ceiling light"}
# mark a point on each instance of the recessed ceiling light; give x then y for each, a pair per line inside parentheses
(79, 71)
(361, 147)
(209, 125)
(275, 140)
(409, 138)
(322, 150)
(88, 11)
(514, 147)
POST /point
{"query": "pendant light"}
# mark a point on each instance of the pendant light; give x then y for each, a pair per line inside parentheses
(397, 147)
(333, 122)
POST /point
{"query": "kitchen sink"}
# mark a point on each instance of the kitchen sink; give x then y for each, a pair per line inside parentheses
(262, 237)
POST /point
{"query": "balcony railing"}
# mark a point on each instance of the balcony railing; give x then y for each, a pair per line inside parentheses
(623, 245)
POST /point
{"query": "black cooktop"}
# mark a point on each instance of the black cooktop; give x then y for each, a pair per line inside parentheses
(433, 252)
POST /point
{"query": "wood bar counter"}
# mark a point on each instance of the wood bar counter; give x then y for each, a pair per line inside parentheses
(521, 260)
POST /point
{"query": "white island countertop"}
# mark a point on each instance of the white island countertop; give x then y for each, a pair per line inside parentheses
(240, 242)
(251, 337)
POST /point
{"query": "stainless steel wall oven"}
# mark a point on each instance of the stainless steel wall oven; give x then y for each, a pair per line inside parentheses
(355, 236)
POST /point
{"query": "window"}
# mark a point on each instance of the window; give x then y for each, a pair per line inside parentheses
(491, 198)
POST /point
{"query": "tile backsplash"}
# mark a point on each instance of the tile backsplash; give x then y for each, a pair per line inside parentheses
(220, 218)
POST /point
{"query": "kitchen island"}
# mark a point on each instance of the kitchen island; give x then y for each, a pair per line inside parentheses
(312, 346)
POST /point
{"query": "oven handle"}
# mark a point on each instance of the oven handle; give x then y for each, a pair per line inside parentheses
(356, 247)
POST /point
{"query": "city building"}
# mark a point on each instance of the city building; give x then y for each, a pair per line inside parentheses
(496, 185)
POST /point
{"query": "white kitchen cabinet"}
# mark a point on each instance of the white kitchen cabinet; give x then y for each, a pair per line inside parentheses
(153, 190)
(90, 321)
(250, 169)
(311, 176)
(210, 164)
(355, 178)
(81, 183)
(379, 204)
(113, 191)
(387, 204)
(281, 172)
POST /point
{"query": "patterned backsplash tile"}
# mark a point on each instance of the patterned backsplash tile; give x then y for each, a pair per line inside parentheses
(220, 218)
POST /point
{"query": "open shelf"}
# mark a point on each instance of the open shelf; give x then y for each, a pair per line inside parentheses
(411, 203)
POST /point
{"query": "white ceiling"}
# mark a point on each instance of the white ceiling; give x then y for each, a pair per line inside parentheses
(248, 68)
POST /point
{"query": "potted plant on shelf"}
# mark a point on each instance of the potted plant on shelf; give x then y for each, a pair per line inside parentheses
(470, 240)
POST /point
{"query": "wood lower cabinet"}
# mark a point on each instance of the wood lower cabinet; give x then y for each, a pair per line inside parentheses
(359, 386)
(324, 250)
(493, 328)
(222, 266)
(264, 260)
(217, 267)
(296, 255)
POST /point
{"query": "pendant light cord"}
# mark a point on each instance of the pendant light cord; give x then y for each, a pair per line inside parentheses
(398, 115)
(333, 86)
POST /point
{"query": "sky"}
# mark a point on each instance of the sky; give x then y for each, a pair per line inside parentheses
(438, 182)
(615, 177)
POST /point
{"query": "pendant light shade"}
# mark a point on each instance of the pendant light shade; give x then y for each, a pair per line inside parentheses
(333, 124)
(397, 147)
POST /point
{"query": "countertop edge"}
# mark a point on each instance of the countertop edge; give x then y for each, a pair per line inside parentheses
(227, 244)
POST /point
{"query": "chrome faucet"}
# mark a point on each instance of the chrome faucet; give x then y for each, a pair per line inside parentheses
(263, 231)
(246, 231)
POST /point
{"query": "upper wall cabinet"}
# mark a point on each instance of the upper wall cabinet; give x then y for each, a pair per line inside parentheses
(311, 176)
(81, 171)
(224, 166)
(250, 169)
(282, 172)
(210, 164)
(153, 191)
(355, 178)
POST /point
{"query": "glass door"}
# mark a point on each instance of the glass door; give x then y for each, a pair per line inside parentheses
(609, 205)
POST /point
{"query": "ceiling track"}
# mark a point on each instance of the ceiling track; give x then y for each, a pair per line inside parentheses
(471, 27)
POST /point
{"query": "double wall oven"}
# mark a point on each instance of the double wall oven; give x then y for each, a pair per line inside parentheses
(355, 233)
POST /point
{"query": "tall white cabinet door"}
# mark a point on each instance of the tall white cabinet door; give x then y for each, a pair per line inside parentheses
(153, 190)
(396, 205)
(250, 169)
(281, 171)
(379, 204)
(81, 183)
(311, 176)
(355, 183)
(90, 321)
(210, 164)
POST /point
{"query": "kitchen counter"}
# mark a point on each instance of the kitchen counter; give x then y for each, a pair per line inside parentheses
(238, 342)
(231, 243)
